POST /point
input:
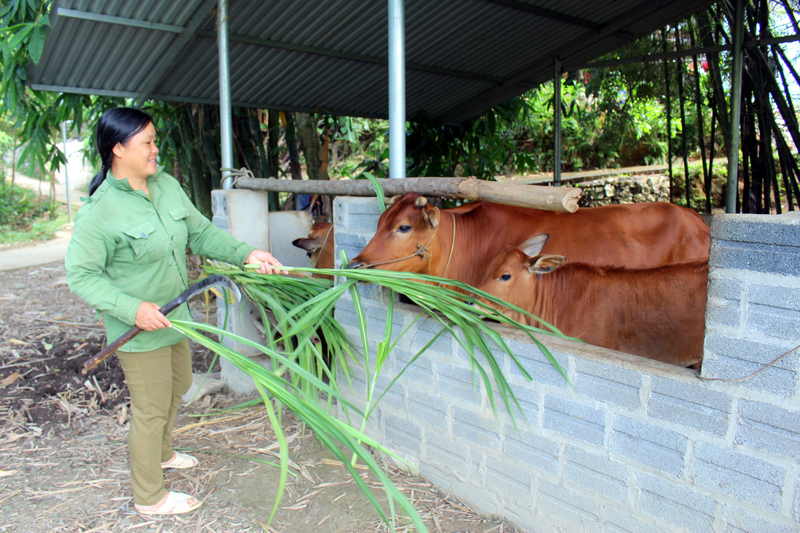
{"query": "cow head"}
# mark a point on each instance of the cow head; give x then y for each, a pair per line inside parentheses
(319, 247)
(510, 275)
(408, 223)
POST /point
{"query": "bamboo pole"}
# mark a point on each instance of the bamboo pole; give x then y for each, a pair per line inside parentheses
(686, 177)
(563, 199)
(669, 112)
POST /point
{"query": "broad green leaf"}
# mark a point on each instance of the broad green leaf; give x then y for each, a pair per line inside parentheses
(36, 45)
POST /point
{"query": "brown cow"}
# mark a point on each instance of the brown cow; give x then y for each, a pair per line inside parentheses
(413, 236)
(319, 247)
(655, 312)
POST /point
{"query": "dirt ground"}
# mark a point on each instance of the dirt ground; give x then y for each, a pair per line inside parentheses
(63, 441)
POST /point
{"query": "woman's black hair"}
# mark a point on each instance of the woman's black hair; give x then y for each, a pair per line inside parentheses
(116, 125)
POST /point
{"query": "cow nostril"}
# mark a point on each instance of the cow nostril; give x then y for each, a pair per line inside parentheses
(354, 264)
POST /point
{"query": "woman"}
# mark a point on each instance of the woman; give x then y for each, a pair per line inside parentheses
(127, 259)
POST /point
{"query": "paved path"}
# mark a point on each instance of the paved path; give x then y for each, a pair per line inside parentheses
(43, 252)
(36, 254)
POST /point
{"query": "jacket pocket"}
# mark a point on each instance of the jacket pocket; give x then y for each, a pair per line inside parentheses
(178, 213)
(141, 241)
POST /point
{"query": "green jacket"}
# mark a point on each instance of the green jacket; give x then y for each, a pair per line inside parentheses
(127, 248)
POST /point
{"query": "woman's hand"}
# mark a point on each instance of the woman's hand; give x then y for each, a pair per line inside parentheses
(149, 318)
(269, 265)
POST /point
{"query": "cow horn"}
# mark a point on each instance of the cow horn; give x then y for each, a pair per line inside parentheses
(421, 202)
(392, 200)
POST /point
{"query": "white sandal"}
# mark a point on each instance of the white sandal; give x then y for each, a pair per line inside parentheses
(176, 503)
(181, 460)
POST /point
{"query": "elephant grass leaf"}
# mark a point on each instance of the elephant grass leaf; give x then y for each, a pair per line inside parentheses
(329, 430)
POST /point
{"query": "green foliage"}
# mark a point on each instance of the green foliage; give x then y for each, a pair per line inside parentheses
(25, 217)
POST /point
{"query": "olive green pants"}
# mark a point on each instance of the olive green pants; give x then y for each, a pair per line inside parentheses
(156, 380)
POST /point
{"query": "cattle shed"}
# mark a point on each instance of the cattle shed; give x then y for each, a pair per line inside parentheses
(637, 445)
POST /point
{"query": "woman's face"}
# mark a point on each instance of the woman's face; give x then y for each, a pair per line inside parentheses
(139, 156)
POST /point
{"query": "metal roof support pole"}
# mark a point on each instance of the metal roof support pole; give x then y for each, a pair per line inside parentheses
(736, 106)
(397, 90)
(226, 122)
(556, 122)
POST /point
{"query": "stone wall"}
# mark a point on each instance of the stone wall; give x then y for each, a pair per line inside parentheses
(637, 445)
(624, 190)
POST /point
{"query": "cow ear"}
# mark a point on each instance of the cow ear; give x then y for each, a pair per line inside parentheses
(431, 216)
(308, 244)
(392, 200)
(533, 246)
(545, 263)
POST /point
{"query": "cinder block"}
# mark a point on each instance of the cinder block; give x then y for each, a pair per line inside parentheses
(513, 481)
(537, 365)
(476, 429)
(376, 322)
(533, 450)
(596, 473)
(351, 240)
(744, 477)
(419, 374)
(773, 321)
(402, 433)
(725, 288)
(355, 213)
(574, 420)
(674, 503)
(608, 383)
(769, 428)
(446, 455)
(428, 408)
(741, 521)
(528, 399)
(773, 296)
(766, 258)
(723, 312)
(457, 382)
(756, 229)
(622, 522)
(367, 224)
(394, 397)
(346, 316)
(729, 357)
(689, 404)
(427, 330)
(477, 496)
(649, 444)
(559, 504)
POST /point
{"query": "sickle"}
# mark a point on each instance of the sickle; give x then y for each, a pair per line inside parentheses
(200, 287)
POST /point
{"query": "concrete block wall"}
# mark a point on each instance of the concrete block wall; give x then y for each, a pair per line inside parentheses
(636, 445)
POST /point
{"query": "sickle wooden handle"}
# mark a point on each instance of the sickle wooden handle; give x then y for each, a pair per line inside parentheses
(111, 348)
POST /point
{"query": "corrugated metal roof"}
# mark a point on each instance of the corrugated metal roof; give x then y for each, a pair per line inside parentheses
(462, 56)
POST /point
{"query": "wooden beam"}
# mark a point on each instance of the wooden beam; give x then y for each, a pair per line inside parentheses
(563, 199)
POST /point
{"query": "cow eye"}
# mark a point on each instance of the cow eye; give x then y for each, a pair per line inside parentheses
(405, 228)
(505, 277)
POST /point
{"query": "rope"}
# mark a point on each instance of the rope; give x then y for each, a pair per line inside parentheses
(452, 247)
(323, 246)
(754, 373)
(237, 174)
(421, 251)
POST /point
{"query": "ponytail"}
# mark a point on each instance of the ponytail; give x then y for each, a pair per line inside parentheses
(116, 126)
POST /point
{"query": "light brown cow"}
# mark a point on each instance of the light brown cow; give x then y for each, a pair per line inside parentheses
(413, 236)
(653, 312)
(319, 247)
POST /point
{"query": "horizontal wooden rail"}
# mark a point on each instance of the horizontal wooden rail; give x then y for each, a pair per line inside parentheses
(564, 199)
